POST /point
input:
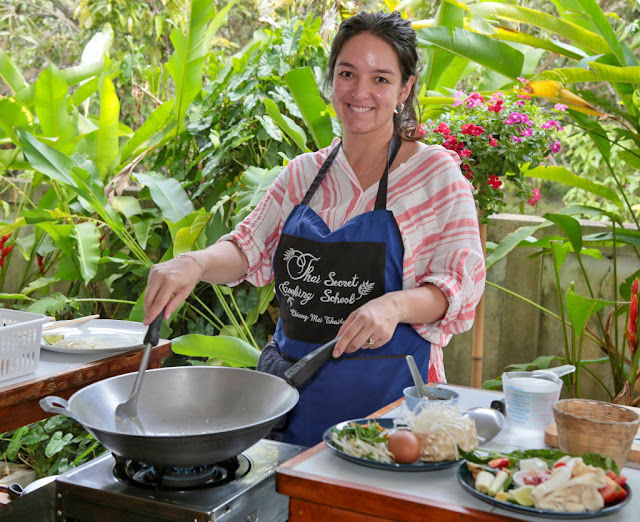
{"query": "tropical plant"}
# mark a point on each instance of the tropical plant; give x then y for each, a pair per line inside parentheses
(497, 138)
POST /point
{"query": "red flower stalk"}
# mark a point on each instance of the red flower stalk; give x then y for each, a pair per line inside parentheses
(632, 327)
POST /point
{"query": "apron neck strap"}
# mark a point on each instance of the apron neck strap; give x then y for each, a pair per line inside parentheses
(381, 198)
(394, 147)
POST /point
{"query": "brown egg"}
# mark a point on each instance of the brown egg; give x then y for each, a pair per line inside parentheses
(404, 446)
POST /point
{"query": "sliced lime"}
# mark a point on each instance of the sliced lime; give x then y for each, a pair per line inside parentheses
(522, 496)
(52, 338)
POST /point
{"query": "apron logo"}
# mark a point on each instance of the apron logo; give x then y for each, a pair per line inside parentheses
(300, 265)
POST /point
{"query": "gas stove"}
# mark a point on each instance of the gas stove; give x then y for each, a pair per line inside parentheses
(111, 488)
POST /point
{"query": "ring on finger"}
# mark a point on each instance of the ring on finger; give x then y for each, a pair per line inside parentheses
(371, 343)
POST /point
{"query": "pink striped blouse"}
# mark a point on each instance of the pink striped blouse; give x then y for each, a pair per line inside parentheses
(435, 211)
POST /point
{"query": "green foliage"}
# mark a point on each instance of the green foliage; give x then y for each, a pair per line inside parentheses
(230, 128)
(50, 447)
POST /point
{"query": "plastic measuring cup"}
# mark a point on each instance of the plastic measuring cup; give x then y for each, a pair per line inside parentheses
(529, 398)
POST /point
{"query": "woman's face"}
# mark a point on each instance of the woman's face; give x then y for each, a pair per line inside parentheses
(367, 85)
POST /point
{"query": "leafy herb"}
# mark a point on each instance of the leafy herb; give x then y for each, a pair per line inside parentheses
(370, 432)
(50, 446)
(550, 456)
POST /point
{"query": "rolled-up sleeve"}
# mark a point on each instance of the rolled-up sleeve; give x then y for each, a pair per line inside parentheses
(443, 244)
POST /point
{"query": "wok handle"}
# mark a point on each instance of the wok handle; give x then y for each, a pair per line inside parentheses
(53, 404)
(305, 368)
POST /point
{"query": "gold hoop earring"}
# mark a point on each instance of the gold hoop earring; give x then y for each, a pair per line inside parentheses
(399, 108)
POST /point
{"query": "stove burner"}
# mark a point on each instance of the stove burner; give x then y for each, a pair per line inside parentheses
(174, 478)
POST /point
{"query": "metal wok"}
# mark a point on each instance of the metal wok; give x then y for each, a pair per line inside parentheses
(192, 415)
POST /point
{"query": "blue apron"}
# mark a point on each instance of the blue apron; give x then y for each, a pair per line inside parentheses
(321, 277)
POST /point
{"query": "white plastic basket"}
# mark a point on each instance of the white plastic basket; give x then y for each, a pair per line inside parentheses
(20, 339)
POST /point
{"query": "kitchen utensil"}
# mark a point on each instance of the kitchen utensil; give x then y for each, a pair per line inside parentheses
(559, 371)
(529, 398)
(588, 426)
(413, 400)
(126, 414)
(192, 415)
(422, 389)
(489, 422)
(57, 324)
(15, 490)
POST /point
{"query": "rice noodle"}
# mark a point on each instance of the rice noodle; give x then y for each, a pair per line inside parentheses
(74, 343)
(441, 428)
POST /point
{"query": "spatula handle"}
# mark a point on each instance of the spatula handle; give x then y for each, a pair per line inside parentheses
(153, 332)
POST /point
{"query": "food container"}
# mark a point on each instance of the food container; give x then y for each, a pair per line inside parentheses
(412, 399)
(529, 398)
(587, 426)
(20, 338)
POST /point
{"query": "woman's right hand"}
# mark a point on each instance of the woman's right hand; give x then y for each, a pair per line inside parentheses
(168, 285)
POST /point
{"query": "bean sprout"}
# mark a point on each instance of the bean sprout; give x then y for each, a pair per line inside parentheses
(441, 428)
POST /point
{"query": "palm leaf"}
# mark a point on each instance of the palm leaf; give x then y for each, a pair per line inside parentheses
(87, 237)
(190, 51)
(168, 194)
(51, 108)
(566, 177)
(565, 29)
(108, 146)
(11, 74)
(315, 113)
(492, 54)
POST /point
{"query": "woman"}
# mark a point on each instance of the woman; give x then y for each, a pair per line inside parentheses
(373, 239)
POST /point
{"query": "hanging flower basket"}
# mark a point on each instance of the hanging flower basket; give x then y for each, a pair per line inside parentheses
(498, 138)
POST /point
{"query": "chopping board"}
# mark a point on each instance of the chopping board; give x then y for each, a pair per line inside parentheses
(551, 438)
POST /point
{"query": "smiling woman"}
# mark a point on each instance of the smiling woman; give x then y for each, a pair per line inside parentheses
(373, 240)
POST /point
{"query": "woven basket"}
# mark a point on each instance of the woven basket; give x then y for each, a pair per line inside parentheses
(586, 426)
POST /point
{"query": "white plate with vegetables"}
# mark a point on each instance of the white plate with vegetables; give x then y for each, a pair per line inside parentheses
(98, 335)
(545, 483)
(418, 441)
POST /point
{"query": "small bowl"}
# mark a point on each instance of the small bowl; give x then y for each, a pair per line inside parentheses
(444, 396)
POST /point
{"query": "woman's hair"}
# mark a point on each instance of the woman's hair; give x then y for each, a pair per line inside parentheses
(398, 33)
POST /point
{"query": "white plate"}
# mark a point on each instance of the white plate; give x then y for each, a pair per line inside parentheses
(109, 335)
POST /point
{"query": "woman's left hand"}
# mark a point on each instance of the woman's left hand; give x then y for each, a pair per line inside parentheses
(370, 326)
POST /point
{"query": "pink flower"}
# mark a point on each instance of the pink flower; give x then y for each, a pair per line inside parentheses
(458, 97)
(494, 181)
(516, 139)
(552, 124)
(520, 102)
(465, 153)
(471, 129)
(555, 147)
(497, 106)
(535, 198)
(560, 107)
(492, 141)
(474, 99)
(524, 96)
(421, 130)
(527, 131)
(443, 128)
(516, 117)
(522, 79)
